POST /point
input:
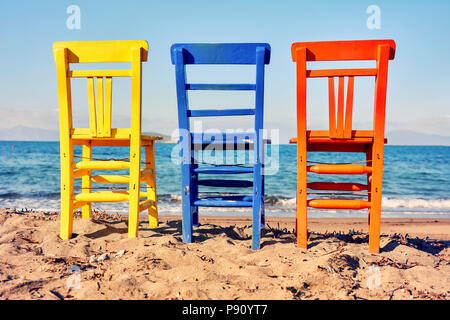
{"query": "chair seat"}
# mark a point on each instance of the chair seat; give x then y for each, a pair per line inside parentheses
(113, 142)
(147, 137)
(323, 136)
(320, 141)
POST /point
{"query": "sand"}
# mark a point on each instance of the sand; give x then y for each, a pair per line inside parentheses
(100, 262)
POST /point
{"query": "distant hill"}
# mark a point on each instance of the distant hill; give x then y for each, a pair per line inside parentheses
(22, 133)
(395, 137)
(405, 137)
(165, 137)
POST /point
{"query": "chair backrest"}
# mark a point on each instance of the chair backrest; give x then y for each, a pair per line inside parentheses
(100, 107)
(380, 50)
(227, 53)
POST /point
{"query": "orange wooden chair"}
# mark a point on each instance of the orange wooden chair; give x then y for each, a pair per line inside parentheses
(340, 137)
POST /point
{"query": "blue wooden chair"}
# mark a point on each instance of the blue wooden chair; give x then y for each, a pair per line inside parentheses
(231, 53)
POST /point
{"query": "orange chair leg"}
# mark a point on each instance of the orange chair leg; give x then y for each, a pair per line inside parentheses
(369, 178)
(376, 192)
(301, 217)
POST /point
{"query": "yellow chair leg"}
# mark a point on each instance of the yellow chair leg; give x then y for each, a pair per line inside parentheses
(133, 218)
(151, 186)
(86, 182)
(66, 222)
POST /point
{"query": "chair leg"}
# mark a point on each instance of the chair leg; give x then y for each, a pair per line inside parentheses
(66, 223)
(263, 215)
(301, 216)
(134, 188)
(257, 208)
(369, 178)
(86, 182)
(186, 203)
(151, 186)
(195, 222)
(194, 195)
(376, 195)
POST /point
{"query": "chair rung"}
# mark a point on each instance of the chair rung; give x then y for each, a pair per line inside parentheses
(220, 112)
(226, 183)
(78, 204)
(339, 169)
(223, 170)
(144, 205)
(104, 178)
(223, 138)
(337, 186)
(106, 196)
(146, 172)
(225, 201)
(211, 86)
(338, 204)
(102, 165)
(78, 173)
(102, 196)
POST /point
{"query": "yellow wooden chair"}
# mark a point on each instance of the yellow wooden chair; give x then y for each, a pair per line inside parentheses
(100, 133)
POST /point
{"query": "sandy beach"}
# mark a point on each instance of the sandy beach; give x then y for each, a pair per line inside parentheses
(100, 262)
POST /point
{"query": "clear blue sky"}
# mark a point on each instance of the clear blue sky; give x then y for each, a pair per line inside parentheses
(419, 82)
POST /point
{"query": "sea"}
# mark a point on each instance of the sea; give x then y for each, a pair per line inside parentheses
(416, 179)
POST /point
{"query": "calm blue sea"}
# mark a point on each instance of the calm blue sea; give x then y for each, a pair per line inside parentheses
(416, 180)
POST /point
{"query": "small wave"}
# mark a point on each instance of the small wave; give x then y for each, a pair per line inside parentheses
(412, 203)
(10, 195)
(32, 195)
(387, 203)
(169, 198)
(273, 203)
(279, 201)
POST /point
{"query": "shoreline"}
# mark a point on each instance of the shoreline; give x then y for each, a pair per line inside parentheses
(438, 228)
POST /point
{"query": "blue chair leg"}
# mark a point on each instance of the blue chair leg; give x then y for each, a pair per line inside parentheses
(195, 217)
(256, 224)
(263, 215)
(194, 195)
(186, 204)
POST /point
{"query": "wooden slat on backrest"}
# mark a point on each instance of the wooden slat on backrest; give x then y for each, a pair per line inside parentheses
(100, 118)
(340, 112)
(343, 128)
(349, 109)
(219, 53)
(108, 108)
(92, 111)
(343, 50)
(331, 108)
(102, 51)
